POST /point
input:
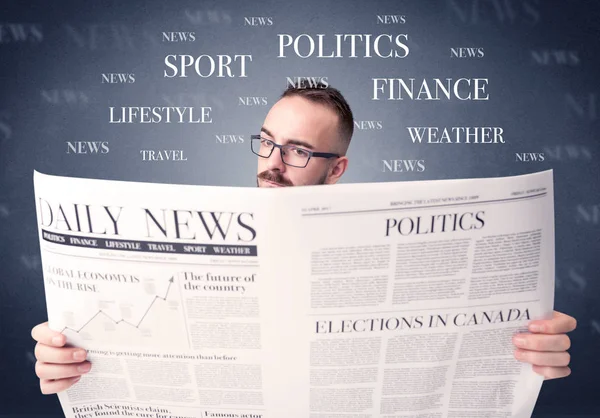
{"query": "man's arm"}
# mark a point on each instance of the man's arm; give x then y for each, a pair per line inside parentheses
(57, 366)
(546, 347)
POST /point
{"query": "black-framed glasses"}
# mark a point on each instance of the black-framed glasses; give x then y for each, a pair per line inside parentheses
(292, 155)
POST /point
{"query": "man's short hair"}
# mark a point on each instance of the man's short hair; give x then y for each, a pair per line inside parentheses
(331, 98)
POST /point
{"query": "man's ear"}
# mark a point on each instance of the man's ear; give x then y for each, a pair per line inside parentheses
(336, 170)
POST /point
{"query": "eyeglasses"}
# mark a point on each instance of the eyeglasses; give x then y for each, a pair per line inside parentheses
(290, 154)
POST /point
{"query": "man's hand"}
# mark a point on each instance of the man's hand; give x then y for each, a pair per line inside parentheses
(546, 347)
(58, 367)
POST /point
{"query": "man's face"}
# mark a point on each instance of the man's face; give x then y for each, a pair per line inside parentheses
(313, 126)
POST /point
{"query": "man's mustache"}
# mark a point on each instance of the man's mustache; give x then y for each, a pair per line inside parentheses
(275, 177)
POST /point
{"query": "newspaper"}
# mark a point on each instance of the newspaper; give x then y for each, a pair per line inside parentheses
(340, 301)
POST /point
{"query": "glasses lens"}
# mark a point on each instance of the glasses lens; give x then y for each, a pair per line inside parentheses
(262, 146)
(292, 155)
(298, 157)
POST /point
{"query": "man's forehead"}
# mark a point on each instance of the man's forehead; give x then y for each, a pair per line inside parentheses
(296, 119)
(286, 140)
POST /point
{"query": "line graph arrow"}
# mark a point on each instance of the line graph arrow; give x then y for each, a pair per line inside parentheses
(123, 321)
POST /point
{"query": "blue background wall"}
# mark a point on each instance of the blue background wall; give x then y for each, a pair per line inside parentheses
(540, 57)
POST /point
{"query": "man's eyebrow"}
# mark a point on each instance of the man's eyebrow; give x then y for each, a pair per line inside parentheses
(265, 130)
(290, 141)
(300, 143)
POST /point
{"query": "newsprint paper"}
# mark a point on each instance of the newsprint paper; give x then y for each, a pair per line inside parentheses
(339, 301)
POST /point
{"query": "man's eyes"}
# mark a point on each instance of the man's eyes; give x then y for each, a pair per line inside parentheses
(300, 152)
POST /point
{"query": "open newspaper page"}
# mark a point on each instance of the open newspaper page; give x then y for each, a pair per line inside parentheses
(163, 285)
(406, 296)
(346, 301)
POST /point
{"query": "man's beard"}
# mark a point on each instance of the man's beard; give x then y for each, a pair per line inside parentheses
(276, 177)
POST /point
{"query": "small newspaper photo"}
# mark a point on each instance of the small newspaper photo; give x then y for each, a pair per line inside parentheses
(366, 300)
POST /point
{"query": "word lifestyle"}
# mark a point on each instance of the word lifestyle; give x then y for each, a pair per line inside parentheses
(159, 114)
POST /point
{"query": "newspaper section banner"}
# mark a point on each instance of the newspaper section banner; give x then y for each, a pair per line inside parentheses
(353, 300)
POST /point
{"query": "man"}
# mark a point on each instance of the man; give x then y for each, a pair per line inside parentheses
(303, 141)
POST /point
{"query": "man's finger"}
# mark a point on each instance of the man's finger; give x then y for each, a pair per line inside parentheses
(63, 355)
(43, 334)
(542, 342)
(539, 358)
(61, 371)
(559, 324)
(552, 372)
(54, 386)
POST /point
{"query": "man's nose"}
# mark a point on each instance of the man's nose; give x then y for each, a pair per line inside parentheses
(274, 162)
